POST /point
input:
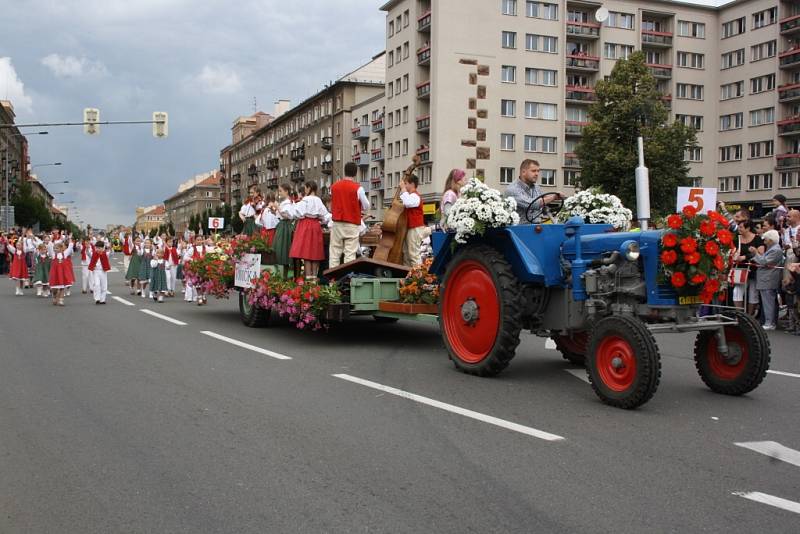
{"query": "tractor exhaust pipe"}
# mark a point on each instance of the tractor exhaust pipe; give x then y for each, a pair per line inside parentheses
(642, 189)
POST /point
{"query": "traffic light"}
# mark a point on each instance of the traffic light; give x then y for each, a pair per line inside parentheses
(91, 116)
(160, 124)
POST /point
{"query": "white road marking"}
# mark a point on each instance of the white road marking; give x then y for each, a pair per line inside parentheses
(163, 317)
(123, 301)
(773, 449)
(454, 409)
(771, 500)
(248, 346)
(579, 373)
(784, 373)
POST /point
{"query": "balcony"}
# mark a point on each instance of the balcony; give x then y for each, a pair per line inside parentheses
(362, 159)
(583, 30)
(574, 128)
(376, 182)
(789, 92)
(424, 90)
(326, 143)
(583, 62)
(252, 170)
(424, 154)
(298, 153)
(424, 123)
(377, 125)
(297, 176)
(789, 126)
(667, 99)
(788, 161)
(273, 163)
(579, 94)
(663, 72)
(327, 167)
(424, 56)
(790, 25)
(656, 39)
(571, 160)
(236, 178)
(789, 59)
(361, 132)
(272, 183)
(424, 22)
(377, 154)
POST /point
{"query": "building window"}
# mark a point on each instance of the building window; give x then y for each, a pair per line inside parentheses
(545, 145)
(732, 90)
(730, 153)
(691, 60)
(759, 117)
(762, 83)
(763, 50)
(508, 74)
(688, 91)
(697, 181)
(506, 175)
(547, 177)
(506, 141)
(757, 182)
(732, 59)
(729, 184)
(510, 7)
(541, 10)
(406, 17)
(391, 28)
(405, 114)
(541, 77)
(389, 89)
(541, 43)
(734, 27)
(620, 20)
(405, 50)
(405, 147)
(761, 149)
(508, 108)
(405, 83)
(788, 179)
(550, 44)
(693, 121)
(694, 154)
(765, 18)
(696, 30)
(733, 121)
(572, 178)
(541, 110)
(509, 40)
(617, 51)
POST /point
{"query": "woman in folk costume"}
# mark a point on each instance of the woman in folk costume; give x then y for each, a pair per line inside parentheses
(147, 253)
(269, 220)
(284, 231)
(61, 276)
(307, 244)
(41, 276)
(132, 272)
(172, 261)
(158, 276)
(247, 214)
(19, 266)
(86, 248)
(194, 252)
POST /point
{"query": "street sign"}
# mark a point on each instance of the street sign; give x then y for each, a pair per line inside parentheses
(91, 116)
(702, 199)
(160, 124)
(216, 223)
(247, 268)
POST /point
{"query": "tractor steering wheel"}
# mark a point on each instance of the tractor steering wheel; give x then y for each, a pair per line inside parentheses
(542, 210)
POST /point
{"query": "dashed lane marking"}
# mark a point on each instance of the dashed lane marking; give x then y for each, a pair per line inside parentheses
(773, 449)
(454, 409)
(579, 374)
(247, 346)
(771, 500)
(163, 317)
(123, 301)
(784, 373)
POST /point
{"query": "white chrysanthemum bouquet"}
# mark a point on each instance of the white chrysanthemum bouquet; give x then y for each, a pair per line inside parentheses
(480, 207)
(596, 207)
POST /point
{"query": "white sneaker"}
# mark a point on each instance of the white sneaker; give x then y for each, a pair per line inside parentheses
(769, 327)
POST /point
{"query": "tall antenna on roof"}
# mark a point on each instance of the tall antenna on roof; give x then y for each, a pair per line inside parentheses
(255, 106)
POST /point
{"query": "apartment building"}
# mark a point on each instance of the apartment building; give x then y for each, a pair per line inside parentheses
(14, 159)
(194, 197)
(368, 148)
(310, 141)
(482, 85)
(150, 218)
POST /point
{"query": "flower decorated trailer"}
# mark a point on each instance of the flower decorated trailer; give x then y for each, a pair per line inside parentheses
(600, 294)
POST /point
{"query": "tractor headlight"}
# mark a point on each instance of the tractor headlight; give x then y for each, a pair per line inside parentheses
(630, 249)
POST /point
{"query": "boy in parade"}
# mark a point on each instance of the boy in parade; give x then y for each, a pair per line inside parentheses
(348, 203)
(85, 247)
(416, 222)
(99, 275)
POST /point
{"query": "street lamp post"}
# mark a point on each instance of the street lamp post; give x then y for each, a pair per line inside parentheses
(53, 183)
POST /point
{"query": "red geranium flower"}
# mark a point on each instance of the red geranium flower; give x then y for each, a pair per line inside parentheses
(669, 239)
(717, 217)
(712, 248)
(712, 285)
(692, 258)
(718, 263)
(678, 280)
(699, 278)
(725, 237)
(689, 212)
(688, 244)
(707, 228)
(668, 257)
(674, 221)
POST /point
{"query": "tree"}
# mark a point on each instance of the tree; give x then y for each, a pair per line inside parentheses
(30, 209)
(628, 105)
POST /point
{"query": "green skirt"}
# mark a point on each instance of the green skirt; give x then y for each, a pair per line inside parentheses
(158, 280)
(249, 226)
(284, 233)
(133, 268)
(145, 269)
(42, 273)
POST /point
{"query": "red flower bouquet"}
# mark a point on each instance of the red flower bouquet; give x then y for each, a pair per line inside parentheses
(696, 252)
(304, 302)
(212, 274)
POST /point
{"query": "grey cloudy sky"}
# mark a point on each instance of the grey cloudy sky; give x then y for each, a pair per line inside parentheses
(202, 61)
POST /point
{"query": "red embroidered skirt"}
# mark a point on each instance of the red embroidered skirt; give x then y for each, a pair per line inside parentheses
(61, 274)
(307, 243)
(270, 235)
(19, 269)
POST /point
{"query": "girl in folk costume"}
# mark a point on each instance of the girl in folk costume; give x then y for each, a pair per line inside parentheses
(147, 253)
(284, 230)
(132, 272)
(41, 277)
(61, 276)
(31, 242)
(158, 276)
(99, 267)
(19, 267)
(180, 250)
(69, 244)
(86, 248)
(269, 220)
(172, 262)
(208, 246)
(127, 250)
(248, 216)
(194, 252)
(307, 244)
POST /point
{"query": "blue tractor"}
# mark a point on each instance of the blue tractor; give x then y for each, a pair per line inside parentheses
(598, 295)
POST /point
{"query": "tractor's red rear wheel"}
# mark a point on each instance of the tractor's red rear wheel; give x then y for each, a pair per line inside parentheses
(480, 311)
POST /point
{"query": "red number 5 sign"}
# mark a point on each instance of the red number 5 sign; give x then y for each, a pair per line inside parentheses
(702, 199)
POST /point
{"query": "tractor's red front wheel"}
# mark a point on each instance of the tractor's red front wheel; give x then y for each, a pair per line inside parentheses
(480, 311)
